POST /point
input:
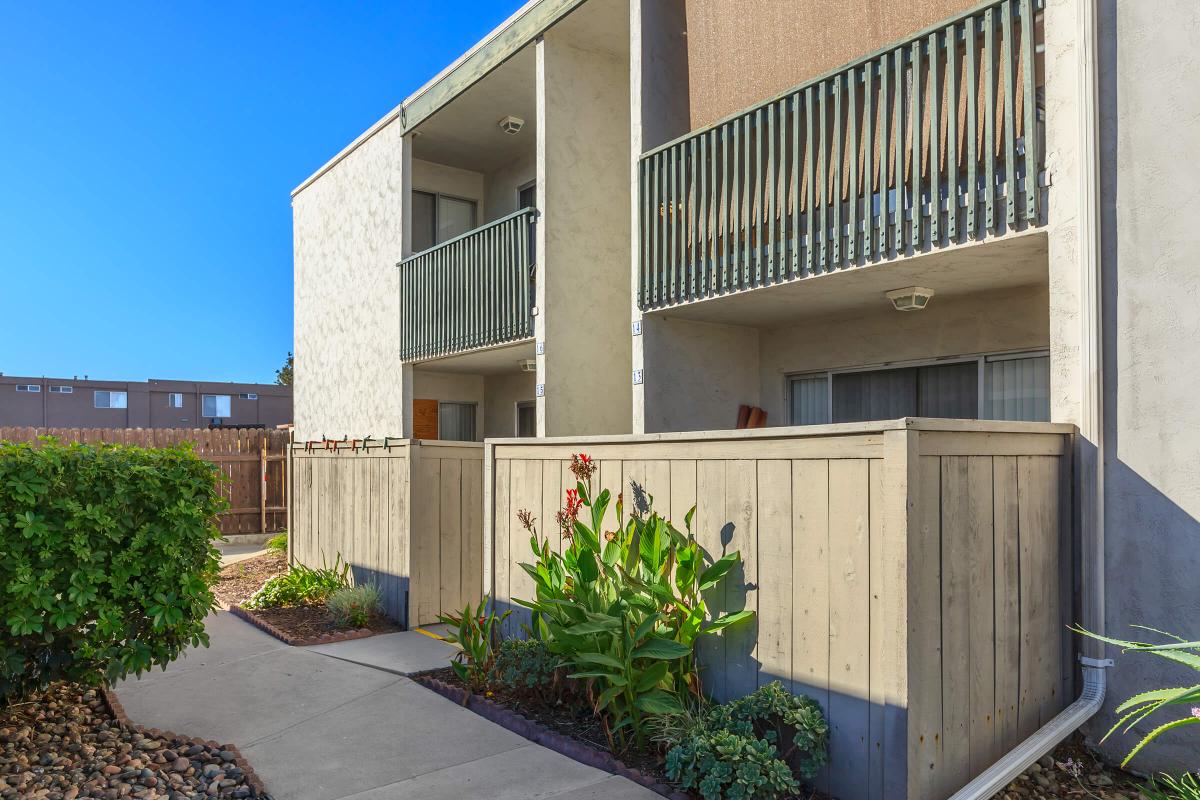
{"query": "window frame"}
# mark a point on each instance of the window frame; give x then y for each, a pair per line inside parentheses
(229, 402)
(247, 395)
(980, 359)
(31, 388)
(171, 399)
(61, 389)
(474, 404)
(437, 204)
(517, 408)
(110, 392)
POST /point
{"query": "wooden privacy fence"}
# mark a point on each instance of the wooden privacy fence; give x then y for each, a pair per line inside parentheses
(912, 576)
(406, 515)
(253, 461)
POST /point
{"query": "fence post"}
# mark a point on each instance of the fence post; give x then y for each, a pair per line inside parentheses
(262, 484)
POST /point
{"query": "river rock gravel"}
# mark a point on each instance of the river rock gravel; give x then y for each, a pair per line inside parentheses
(65, 744)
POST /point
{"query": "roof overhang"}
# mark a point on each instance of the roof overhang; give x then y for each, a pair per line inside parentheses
(530, 21)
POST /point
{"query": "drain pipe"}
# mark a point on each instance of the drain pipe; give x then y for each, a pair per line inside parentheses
(994, 779)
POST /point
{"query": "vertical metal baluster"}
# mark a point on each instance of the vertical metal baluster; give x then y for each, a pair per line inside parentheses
(918, 125)
(868, 176)
(852, 192)
(710, 216)
(951, 34)
(660, 225)
(691, 260)
(643, 233)
(779, 254)
(822, 90)
(735, 209)
(747, 204)
(794, 264)
(810, 191)
(727, 191)
(836, 156)
(989, 114)
(935, 141)
(766, 182)
(701, 256)
(1010, 127)
(673, 283)
(1033, 165)
(972, 137)
(897, 220)
(885, 92)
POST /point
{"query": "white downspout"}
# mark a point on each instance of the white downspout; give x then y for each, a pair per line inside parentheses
(994, 779)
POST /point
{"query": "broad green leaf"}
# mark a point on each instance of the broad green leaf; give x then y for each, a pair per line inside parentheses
(616, 680)
(720, 568)
(601, 659)
(657, 647)
(721, 623)
(647, 627)
(651, 676)
(659, 702)
(1164, 696)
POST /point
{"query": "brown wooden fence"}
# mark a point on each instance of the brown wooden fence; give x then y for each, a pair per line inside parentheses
(254, 462)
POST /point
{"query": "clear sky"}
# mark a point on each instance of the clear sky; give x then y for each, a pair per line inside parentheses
(148, 151)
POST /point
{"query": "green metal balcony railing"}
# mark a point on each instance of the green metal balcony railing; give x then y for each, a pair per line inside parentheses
(475, 290)
(844, 170)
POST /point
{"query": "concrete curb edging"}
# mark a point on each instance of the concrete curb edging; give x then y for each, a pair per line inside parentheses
(540, 734)
(118, 712)
(294, 641)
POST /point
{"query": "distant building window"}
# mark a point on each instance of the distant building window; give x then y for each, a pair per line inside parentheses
(248, 396)
(111, 400)
(28, 387)
(62, 389)
(216, 406)
(175, 400)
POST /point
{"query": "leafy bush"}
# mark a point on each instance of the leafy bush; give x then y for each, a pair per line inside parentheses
(725, 765)
(1165, 787)
(477, 632)
(106, 558)
(624, 607)
(1142, 705)
(526, 665)
(278, 543)
(301, 586)
(793, 723)
(352, 606)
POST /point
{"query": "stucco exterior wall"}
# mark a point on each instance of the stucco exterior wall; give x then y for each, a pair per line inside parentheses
(428, 176)
(1149, 206)
(987, 322)
(741, 52)
(347, 240)
(502, 187)
(583, 239)
(502, 393)
(696, 374)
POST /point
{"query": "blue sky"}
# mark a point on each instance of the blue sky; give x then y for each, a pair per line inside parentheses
(149, 152)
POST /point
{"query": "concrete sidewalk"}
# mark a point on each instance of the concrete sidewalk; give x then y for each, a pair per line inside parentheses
(316, 725)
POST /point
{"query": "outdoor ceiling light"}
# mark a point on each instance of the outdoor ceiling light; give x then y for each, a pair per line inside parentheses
(912, 298)
(511, 125)
(527, 365)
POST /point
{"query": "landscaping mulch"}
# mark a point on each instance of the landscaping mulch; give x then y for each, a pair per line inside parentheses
(1072, 771)
(68, 743)
(240, 580)
(302, 623)
(570, 729)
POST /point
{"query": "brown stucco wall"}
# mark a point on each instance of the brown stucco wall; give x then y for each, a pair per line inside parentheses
(741, 52)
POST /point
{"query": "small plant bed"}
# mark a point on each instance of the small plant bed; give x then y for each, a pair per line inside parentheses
(303, 606)
(238, 581)
(65, 742)
(1072, 771)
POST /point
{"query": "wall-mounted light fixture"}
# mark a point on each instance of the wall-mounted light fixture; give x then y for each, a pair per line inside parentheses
(911, 298)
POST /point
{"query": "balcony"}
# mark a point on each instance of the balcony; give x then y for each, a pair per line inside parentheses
(923, 145)
(470, 292)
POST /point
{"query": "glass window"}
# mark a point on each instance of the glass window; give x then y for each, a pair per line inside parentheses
(810, 400)
(110, 399)
(248, 396)
(424, 232)
(950, 391)
(875, 394)
(526, 419)
(1017, 388)
(454, 217)
(29, 387)
(175, 400)
(216, 406)
(456, 422)
(62, 389)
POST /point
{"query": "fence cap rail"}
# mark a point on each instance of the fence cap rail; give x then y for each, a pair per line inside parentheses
(806, 431)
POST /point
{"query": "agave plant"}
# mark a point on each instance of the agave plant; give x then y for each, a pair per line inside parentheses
(625, 607)
(1143, 704)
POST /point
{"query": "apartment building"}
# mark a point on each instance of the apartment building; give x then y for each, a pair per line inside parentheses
(89, 403)
(627, 218)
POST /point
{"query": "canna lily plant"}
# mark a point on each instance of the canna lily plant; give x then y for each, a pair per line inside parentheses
(624, 607)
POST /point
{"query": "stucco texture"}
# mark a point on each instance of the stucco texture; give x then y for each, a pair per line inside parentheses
(1149, 206)
(347, 240)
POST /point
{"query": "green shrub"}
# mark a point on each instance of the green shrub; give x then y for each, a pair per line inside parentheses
(278, 543)
(106, 558)
(1143, 704)
(301, 586)
(792, 723)
(352, 606)
(527, 666)
(724, 765)
(1165, 787)
(624, 607)
(477, 632)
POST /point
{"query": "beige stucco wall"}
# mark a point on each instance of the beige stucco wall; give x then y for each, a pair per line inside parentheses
(347, 239)
(583, 238)
(502, 187)
(741, 52)
(428, 176)
(502, 393)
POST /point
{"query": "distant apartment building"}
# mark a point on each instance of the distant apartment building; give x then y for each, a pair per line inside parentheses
(73, 403)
